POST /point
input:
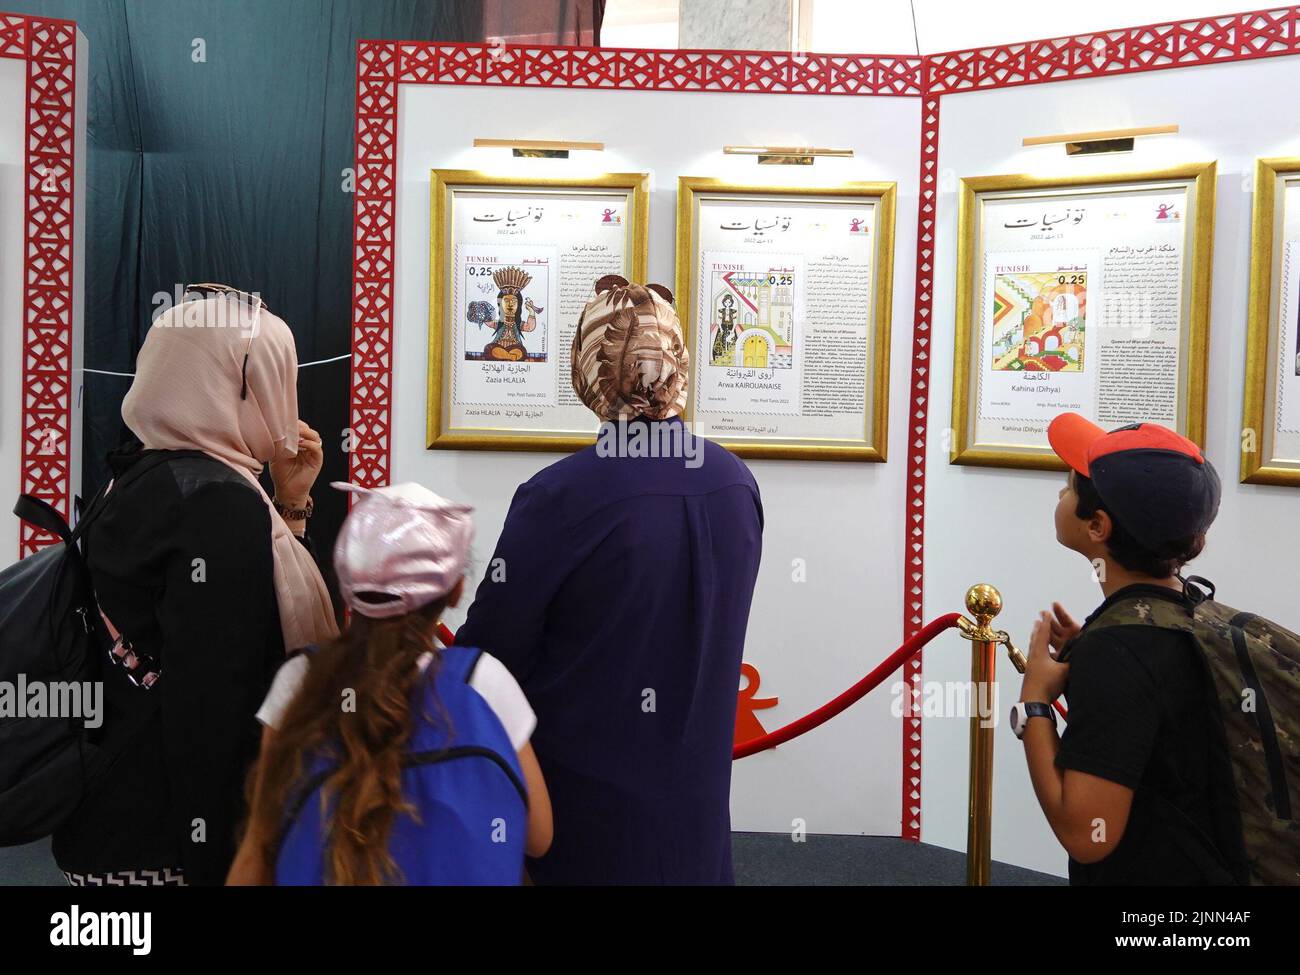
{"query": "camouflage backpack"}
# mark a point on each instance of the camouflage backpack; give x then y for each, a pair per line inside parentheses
(1255, 668)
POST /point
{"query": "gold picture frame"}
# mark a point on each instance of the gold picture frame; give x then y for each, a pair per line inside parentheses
(444, 185)
(1197, 180)
(1259, 463)
(882, 195)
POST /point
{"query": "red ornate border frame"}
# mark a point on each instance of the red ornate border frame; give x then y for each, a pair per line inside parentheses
(49, 47)
(1180, 44)
(917, 425)
(383, 65)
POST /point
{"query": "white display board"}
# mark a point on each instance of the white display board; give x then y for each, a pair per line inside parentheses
(828, 605)
(550, 243)
(13, 157)
(997, 524)
(1108, 268)
(782, 290)
(1283, 415)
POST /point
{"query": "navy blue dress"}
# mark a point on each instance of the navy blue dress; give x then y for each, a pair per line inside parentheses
(618, 596)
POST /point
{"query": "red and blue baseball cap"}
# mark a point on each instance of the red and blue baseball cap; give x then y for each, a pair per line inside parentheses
(1153, 481)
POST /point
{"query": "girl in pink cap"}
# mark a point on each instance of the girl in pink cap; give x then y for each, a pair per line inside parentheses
(384, 759)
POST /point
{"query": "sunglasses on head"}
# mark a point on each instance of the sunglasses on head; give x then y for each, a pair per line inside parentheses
(206, 290)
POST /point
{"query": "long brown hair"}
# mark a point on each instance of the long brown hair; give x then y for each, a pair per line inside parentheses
(354, 710)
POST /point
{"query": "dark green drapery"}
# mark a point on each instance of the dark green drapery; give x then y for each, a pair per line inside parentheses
(219, 134)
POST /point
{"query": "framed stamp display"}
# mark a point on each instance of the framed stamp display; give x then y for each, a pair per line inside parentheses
(1087, 294)
(785, 295)
(512, 263)
(1270, 445)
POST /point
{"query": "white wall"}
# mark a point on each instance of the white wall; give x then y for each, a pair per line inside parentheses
(809, 640)
(982, 523)
(920, 26)
(955, 25)
(13, 88)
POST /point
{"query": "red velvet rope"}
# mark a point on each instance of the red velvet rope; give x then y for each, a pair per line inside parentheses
(833, 707)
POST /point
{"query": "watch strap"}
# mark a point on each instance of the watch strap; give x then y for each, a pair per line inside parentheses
(293, 514)
(1030, 709)
(1037, 709)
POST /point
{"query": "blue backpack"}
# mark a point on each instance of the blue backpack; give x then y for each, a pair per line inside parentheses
(461, 775)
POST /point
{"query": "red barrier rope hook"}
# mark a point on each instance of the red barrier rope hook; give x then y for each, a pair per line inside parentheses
(833, 707)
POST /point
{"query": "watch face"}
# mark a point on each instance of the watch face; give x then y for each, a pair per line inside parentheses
(1016, 719)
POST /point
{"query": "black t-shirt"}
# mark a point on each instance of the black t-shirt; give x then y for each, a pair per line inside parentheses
(1142, 714)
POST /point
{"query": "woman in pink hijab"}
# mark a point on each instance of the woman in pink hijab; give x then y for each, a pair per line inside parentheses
(204, 580)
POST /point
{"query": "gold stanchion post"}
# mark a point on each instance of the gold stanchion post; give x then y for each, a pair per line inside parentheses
(983, 602)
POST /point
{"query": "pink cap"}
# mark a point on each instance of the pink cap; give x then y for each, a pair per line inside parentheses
(403, 541)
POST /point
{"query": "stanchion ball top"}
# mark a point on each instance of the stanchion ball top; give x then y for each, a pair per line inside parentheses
(983, 601)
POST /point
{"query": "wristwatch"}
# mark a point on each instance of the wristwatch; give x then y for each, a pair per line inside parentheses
(293, 514)
(1022, 711)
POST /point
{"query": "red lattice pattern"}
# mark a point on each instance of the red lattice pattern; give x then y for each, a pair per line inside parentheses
(666, 70)
(1233, 37)
(918, 411)
(372, 263)
(13, 36)
(49, 48)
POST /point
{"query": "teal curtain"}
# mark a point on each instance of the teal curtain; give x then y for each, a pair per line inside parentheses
(219, 133)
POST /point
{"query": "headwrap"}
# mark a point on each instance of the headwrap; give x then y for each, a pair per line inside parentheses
(220, 374)
(629, 357)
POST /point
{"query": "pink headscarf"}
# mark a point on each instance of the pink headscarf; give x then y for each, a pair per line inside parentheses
(186, 396)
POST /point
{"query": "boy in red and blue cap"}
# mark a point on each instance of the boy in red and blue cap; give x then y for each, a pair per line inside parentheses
(1138, 789)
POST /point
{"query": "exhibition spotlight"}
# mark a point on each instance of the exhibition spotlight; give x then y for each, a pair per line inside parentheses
(1105, 140)
(786, 155)
(538, 148)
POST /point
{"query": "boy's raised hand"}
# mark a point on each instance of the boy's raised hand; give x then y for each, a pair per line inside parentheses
(1063, 627)
(1044, 677)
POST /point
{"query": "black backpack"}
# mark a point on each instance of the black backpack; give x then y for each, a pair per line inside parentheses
(51, 634)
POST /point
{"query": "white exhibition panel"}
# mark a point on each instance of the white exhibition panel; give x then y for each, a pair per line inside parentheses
(13, 96)
(991, 525)
(810, 640)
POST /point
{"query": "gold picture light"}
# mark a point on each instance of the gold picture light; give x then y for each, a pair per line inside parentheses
(786, 155)
(1105, 140)
(538, 148)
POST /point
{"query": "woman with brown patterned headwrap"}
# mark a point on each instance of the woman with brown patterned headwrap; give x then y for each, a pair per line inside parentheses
(622, 612)
(629, 359)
